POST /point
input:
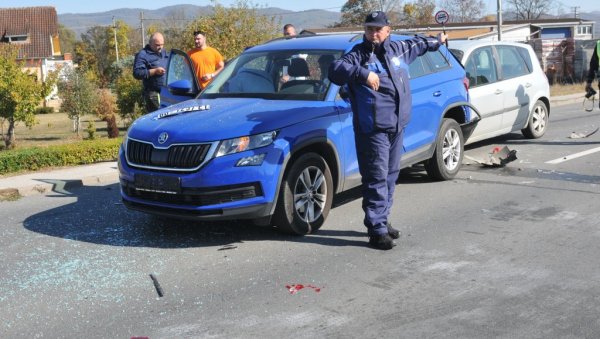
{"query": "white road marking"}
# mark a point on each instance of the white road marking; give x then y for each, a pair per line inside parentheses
(573, 156)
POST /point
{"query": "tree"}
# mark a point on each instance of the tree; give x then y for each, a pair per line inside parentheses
(67, 39)
(464, 10)
(20, 93)
(419, 12)
(530, 9)
(354, 12)
(231, 30)
(79, 95)
(106, 109)
(129, 91)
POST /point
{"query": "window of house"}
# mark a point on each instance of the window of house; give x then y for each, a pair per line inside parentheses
(15, 38)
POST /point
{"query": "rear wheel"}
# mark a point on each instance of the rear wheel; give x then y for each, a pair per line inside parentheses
(538, 121)
(449, 150)
(305, 196)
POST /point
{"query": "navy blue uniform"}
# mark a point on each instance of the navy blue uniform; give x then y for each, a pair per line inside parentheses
(145, 60)
(379, 116)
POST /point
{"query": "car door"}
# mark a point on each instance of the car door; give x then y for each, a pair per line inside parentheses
(485, 91)
(181, 83)
(517, 82)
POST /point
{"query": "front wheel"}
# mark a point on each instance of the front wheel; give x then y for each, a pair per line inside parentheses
(305, 196)
(538, 121)
(449, 150)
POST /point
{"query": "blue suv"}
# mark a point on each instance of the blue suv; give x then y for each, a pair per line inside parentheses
(271, 139)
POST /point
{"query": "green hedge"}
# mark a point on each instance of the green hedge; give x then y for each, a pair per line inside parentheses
(80, 153)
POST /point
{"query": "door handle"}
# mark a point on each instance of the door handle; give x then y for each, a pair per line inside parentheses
(528, 84)
(498, 91)
(437, 93)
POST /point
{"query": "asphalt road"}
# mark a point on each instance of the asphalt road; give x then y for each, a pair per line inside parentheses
(507, 252)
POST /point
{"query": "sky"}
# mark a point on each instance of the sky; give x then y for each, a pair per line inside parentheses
(79, 6)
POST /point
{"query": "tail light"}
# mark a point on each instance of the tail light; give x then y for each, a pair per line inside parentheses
(466, 83)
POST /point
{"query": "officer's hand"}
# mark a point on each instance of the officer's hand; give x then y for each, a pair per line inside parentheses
(157, 71)
(373, 81)
(442, 37)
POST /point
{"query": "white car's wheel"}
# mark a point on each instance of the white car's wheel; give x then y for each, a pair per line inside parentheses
(449, 151)
(538, 121)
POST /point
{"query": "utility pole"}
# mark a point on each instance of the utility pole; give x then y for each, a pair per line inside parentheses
(499, 2)
(116, 42)
(575, 15)
(142, 28)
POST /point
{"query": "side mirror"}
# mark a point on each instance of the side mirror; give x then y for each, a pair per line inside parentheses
(181, 87)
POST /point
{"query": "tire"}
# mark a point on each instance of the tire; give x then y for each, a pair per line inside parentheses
(449, 151)
(305, 196)
(538, 121)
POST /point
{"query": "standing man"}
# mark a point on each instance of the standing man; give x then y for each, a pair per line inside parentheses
(593, 68)
(207, 61)
(289, 31)
(376, 74)
(150, 66)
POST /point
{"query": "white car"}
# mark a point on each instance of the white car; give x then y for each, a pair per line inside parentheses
(507, 86)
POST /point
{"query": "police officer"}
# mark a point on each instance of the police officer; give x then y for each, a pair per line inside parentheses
(593, 68)
(150, 66)
(376, 74)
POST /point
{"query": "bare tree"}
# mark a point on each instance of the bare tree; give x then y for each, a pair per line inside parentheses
(464, 10)
(530, 9)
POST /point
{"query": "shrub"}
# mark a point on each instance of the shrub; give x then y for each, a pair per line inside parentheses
(80, 153)
(44, 110)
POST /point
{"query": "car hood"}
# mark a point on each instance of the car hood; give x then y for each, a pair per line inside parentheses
(206, 120)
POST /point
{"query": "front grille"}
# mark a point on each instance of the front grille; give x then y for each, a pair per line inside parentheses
(181, 157)
(196, 196)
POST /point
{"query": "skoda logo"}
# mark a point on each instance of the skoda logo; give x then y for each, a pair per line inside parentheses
(162, 138)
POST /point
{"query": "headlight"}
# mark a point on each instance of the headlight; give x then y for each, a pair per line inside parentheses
(245, 143)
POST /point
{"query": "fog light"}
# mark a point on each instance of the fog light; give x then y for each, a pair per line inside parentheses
(255, 160)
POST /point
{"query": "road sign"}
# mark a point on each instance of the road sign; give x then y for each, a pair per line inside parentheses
(441, 17)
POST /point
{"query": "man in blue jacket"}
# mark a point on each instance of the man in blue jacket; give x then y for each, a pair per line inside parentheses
(376, 72)
(150, 66)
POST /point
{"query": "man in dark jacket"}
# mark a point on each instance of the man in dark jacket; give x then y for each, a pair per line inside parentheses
(150, 66)
(376, 74)
(593, 68)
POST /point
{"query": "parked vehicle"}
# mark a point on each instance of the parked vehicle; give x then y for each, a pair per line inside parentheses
(507, 86)
(257, 145)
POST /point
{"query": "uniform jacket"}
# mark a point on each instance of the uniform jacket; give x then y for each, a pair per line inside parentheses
(145, 60)
(594, 63)
(387, 109)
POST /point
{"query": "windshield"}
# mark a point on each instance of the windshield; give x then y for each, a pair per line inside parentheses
(275, 75)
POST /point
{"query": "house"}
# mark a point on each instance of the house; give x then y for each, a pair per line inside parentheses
(35, 31)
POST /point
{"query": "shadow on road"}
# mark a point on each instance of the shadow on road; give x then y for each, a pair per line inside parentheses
(98, 216)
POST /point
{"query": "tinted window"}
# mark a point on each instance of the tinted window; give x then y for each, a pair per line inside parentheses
(480, 67)
(513, 64)
(428, 63)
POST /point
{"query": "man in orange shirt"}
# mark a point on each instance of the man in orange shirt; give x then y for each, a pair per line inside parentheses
(207, 61)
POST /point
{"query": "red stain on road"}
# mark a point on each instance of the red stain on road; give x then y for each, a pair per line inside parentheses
(295, 288)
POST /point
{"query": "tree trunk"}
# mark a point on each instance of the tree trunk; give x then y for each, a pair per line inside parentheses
(78, 125)
(9, 140)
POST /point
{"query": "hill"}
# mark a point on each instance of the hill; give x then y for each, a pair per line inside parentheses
(79, 23)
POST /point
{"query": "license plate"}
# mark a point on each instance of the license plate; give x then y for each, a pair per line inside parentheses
(157, 183)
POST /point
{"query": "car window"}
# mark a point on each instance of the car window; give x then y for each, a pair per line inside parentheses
(428, 63)
(418, 68)
(179, 69)
(438, 60)
(527, 57)
(276, 75)
(480, 67)
(513, 64)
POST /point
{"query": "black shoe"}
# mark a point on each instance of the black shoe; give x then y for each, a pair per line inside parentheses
(381, 241)
(394, 233)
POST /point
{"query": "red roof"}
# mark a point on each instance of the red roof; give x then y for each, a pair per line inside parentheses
(40, 24)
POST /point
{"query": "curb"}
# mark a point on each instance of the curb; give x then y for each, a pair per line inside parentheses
(58, 181)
